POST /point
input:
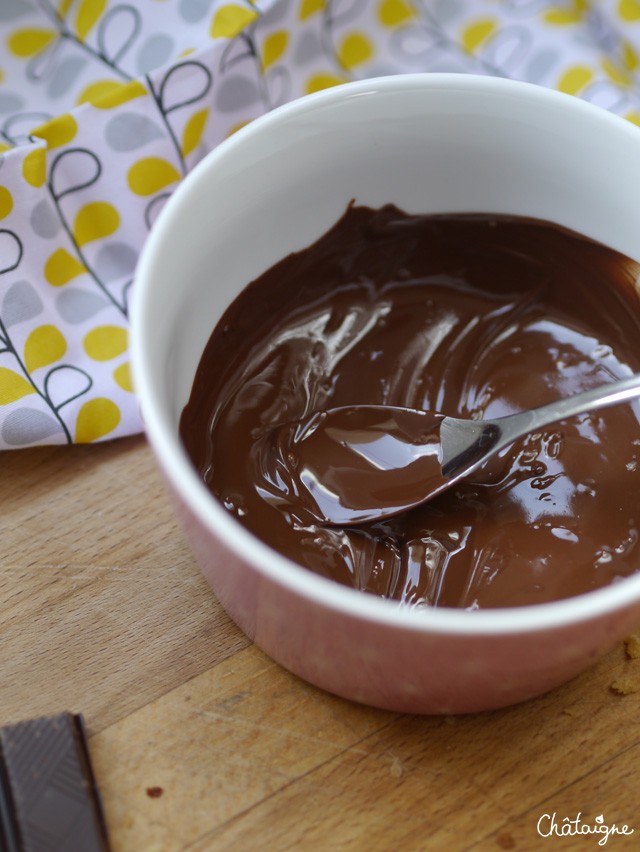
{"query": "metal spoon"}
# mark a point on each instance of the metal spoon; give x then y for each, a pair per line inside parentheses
(358, 464)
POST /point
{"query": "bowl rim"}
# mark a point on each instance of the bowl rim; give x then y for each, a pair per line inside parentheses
(182, 477)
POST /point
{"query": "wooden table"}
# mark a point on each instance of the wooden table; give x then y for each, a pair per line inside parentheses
(200, 742)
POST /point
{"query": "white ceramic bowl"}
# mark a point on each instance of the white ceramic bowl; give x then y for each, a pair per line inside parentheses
(427, 143)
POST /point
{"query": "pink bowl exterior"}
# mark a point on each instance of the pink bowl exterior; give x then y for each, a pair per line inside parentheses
(403, 670)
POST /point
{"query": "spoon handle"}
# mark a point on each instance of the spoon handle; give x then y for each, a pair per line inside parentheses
(466, 444)
(516, 425)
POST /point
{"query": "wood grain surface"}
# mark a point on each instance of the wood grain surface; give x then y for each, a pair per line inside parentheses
(201, 742)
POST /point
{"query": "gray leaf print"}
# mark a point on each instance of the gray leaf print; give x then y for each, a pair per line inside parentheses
(65, 75)
(12, 10)
(75, 306)
(27, 426)
(115, 260)
(129, 130)
(193, 11)
(44, 220)
(21, 302)
(236, 93)
(154, 52)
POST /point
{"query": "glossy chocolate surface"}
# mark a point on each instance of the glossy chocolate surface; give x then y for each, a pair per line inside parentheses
(468, 315)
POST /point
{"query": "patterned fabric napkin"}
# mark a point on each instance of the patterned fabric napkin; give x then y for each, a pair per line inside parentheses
(106, 104)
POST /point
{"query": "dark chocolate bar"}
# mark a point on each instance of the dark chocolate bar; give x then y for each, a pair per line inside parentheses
(49, 801)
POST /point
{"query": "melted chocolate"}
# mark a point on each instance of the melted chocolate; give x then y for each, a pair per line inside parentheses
(469, 315)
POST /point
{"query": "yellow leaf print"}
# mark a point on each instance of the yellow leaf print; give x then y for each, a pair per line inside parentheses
(95, 221)
(317, 82)
(392, 13)
(61, 267)
(34, 167)
(122, 376)
(630, 57)
(574, 79)
(562, 17)
(107, 94)
(273, 47)
(150, 175)
(355, 49)
(105, 342)
(28, 42)
(231, 19)
(6, 202)
(235, 127)
(58, 131)
(13, 386)
(616, 73)
(477, 33)
(629, 10)
(88, 14)
(310, 7)
(44, 346)
(193, 130)
(96, 419)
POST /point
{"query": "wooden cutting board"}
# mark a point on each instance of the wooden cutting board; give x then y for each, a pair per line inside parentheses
(201, 742)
